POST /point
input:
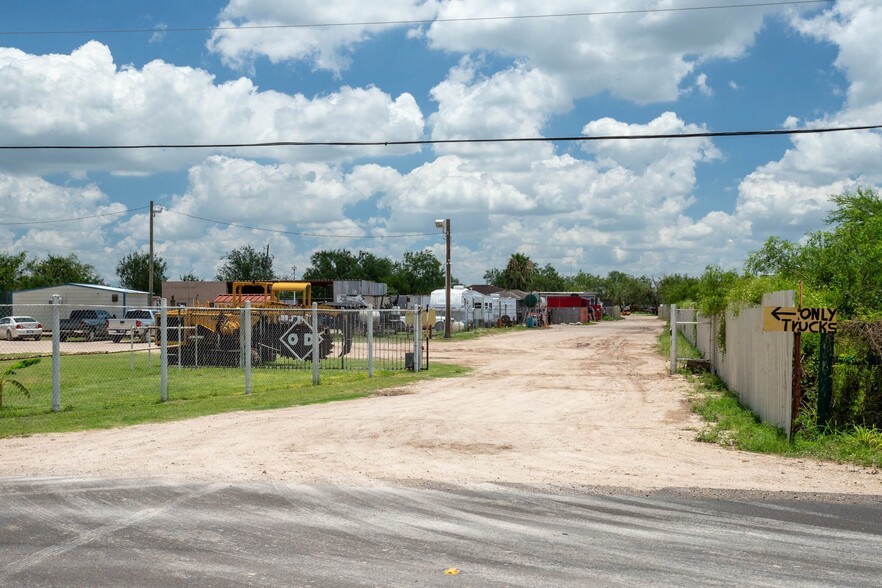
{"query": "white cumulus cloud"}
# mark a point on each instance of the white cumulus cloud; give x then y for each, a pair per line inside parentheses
(85, 99)
(791, 195)
(326, 47)
(642, 57)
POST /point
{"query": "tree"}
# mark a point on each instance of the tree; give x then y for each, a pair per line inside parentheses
(58, 269)
(519, 273)
(848, 259)
(777, 256)
(585, 282)
(617, 288)
(342, 264)
(12, 267)
(190, 277)
(332, 264)
(625, 290)
(713, 289)
(246, 264)
(374, 268)
(492, 276)
(843, 264)
(677, 288)
(134, 272)
(547, 279)
(418, 272)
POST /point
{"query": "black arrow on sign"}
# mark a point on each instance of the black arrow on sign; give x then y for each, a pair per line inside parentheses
(778, 315)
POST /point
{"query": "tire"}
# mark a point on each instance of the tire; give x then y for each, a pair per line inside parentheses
(116, 339)
(37, 337)
(62, 337)
(91, 336)
(9, 334)
(144, 336)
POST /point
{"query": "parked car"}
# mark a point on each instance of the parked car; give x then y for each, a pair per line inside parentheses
(91, 324)
(20, 327)
(137, 322)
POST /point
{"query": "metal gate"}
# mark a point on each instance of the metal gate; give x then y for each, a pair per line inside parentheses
(697, 330)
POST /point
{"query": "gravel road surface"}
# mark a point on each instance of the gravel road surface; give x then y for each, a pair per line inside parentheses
(566, 406)
(567, 458)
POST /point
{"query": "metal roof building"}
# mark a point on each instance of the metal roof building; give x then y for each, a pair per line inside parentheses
(83, 295)
(34, 302)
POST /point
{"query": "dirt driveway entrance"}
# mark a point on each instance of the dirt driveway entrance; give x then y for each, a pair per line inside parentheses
(567, 406)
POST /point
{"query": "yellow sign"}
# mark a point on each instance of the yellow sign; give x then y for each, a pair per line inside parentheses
(427, 316)
(790, 319)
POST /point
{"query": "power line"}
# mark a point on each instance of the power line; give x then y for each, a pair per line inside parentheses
(559, 139)
(228, 224)
(298, 233)
(414, 21)
(78, 218)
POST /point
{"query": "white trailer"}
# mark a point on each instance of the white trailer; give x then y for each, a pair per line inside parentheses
(489, 309)
(438, 302)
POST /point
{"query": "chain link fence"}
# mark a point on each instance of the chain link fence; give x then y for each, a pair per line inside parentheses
(61, 357)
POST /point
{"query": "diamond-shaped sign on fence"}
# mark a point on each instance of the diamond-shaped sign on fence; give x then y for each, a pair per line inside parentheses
(298, 339)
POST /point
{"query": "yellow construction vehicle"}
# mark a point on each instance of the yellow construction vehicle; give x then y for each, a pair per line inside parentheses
(212, 335)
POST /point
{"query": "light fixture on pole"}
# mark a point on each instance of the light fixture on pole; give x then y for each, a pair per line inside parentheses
(444, 225)
(154, 210)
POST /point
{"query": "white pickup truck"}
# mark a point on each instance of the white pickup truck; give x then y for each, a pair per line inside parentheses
(138, 322)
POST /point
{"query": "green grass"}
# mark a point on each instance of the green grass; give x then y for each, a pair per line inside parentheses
(684, 347)
(102, 391)
(729, 423)
(438, 336)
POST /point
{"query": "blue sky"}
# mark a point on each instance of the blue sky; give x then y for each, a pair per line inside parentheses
(643, 207)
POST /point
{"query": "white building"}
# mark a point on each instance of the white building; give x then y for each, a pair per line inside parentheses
(34, 302)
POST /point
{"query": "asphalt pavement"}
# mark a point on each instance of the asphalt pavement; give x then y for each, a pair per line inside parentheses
(62, 532)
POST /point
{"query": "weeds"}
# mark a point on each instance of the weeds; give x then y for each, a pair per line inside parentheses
(730, 424)
(7, 382)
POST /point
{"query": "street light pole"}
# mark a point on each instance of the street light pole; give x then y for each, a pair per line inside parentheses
(444, 225)
(154, 210)
(150, 261)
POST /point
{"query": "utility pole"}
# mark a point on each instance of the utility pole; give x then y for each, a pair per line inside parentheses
(154, 210)
(266, 264)
(150, 260)
(444, 225)
(447, 300)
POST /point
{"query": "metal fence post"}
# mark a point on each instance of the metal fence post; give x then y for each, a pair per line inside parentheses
(56, 353)
(673, 339)
(132, 351)
(370, 340)
(163, 347)
(149, 341)
(247, 327)
(180, 334)
(241, 338)
(315, 344)
(417, 339)
(825, 379)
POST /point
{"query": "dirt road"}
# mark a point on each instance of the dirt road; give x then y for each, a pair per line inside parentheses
(567, 406)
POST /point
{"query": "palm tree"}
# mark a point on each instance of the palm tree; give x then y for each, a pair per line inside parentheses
(5, 380)
(519, 272)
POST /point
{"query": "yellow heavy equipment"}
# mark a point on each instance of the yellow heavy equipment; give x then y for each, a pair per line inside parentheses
(212, 333)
